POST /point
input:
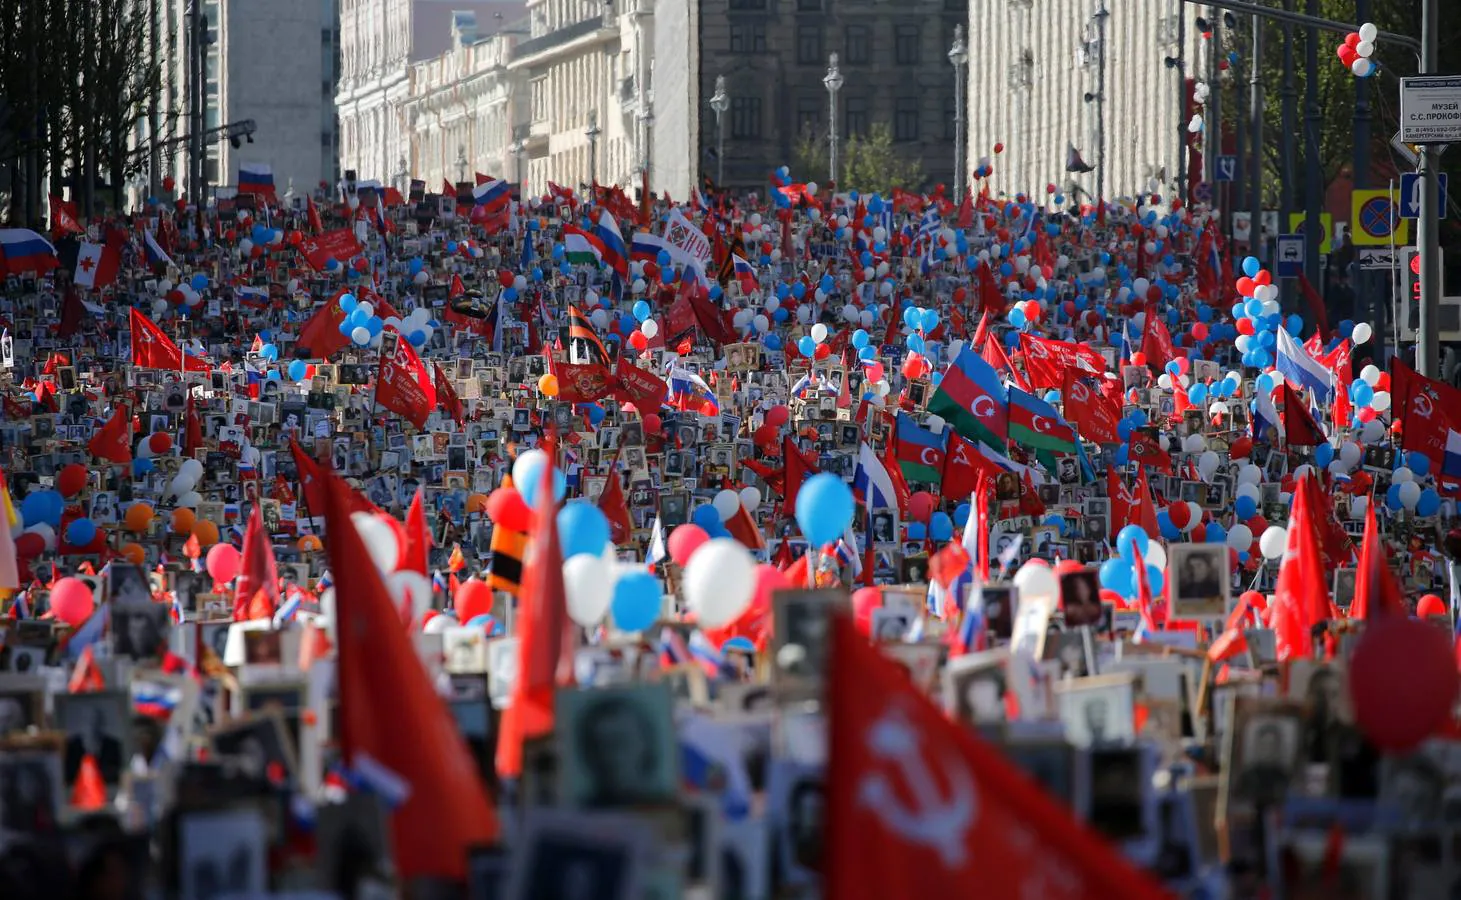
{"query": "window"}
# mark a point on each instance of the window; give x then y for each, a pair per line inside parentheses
(809, 45)
(855, 115)
(905, 45)
(745, 117)
(809, 114)
(905, 119)
(748, 38)
(857, 45)
(747, 4)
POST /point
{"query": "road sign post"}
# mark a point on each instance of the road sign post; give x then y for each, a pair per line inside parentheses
(1227, 168)
(1410, 187)
(1290, 261)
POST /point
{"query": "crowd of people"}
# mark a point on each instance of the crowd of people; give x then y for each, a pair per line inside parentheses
(375, 542)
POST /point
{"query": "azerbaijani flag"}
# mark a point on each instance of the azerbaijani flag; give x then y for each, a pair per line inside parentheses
(972, 399)
(580, 247)
(1035, 423)
(920, 451)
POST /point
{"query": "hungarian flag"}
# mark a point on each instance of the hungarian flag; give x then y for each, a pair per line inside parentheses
(919, 806)
(448, 394)
(404, 385)
(972, 399)
(153, 349)
(395, 730)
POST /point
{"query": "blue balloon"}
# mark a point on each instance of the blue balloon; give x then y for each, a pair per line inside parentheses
(636, 603)
(961, 515)
(917, 531)
(1251, 266)
(642, 311)
(1167, 528)
(269, 352)
(930, 319)
(798, 290)
(663, 258)
(1429, 503)
(1216, 534)
(348, 304)
(417, 337)
(1115, 575)
(1361, 392)
(1419, 463)
(1245, 507)
(1323, 455)
(199, 282)
(141, 466)
(80, 532)
(859, 339)
(1129, 538)
(534, 477)
(1156, 579)
(42, 506)
(298, 369)
(940, 526)
(1392, 499)
(824, 508)
(375, 325)
(911, 317)
(806, 345)
(582, 528)
(705, 516)
(415, 265)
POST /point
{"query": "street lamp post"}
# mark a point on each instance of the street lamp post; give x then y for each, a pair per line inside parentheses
(461, 162)
(403, 174)
(719, 103)
(517, 147)
(833, 81)
(959, 56)
(592, 132)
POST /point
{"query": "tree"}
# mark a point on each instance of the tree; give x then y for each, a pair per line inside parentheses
(872, 164)
(809, 153)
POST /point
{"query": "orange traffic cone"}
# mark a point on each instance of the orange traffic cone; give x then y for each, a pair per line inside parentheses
(89, 792)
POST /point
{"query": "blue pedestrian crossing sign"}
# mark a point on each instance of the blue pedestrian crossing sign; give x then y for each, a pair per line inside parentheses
(1410, 195)
(1289, 261)
(1227, 168)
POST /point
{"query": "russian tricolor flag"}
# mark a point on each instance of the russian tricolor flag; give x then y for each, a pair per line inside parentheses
(689, 391)
(257, 179)
(494, 194)
(22, 250)
(155, 254)
(1451, 464)
(1300, 369)
(616, 255)
(746, 276)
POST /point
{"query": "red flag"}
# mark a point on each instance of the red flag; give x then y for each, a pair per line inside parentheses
(1375, 591)
(919, 806)
(1157, 343)
(86, 677)
(404, 386)
(448, 189)
(113, 441)
(1427, 409)
(321, 334)
(964, 465)
(1146, 447)
(1299, 428)
(1301, 597)
(63, 217)
(744, 529)
(615, 509)
(1232, 640)
(339, 245)
(948, 564)
(796, 471)
(1144, 511)
(73, 313)
(1093, 411)
(418, 538)
(641, 387)
(546, 637)
(258, 573)
(394, 727)
(192, 429)
(153, 349)
(448, 395)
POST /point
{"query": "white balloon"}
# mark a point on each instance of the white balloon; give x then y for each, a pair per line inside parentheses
(1251, 491)
(726, 503)
(590, 588)
(181, 484)
(1371, 375)
(1194, 516)
(649, 327)
(1249, 474)
(525, 464)
(1036, 580)
(379, 538)
(811, 187)
(819, 332)
(1402, 475)
(190, 500)
(1362, 67)
(750, 499)
(1409, 495)
(1372, 431)
(1365, 48)
(1361, 333)
(360, 334)
(1357, 506)
(422, 278)
(1381, 401)
(438, 624)
(1349, 454)
(1273, 541)
(47, 533)
(1240, 537)
(407, 584)
(1156, 555)
(1207, 464)
(1368, 32)
(761, 323)
(719, 582)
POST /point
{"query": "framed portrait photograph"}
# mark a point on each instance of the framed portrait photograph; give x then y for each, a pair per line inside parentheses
(1200, 580)
(800, 642)
(1307, 869)
(1080, 598)
(1098, 711)
(998, 602)
(31, 791)
(256, 745)
(139, 630)
(222, 851)
(617, 745)
(98, 727)
(975, 685)
(465, 650)
(574, 854)
(797, 799)
(1263, 750)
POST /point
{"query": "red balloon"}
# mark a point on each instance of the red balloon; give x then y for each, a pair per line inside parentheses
(921, 506)
(72, 601)
(223, 562)
(1430, 605)
(505, 278)
(1352, 39)
(638, 341)
(505, 507)
(159, 442)
(777, 416)
(684, 541)
(1138, 358)
(1199, 331)
(1245, 286)
(1402, 682)
(168, 183)
(652, 423)
(29, 545)
(822, 352)
(72, 480)
(766, 436)
(1068, 565)
(1240, 448)
(1180, 514)
(472, 599)
(864, 601)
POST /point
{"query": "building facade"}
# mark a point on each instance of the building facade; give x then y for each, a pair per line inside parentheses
(774, 55)
(1104, 76)
(588, 68)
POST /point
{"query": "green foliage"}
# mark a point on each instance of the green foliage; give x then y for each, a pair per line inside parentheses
(809, 154)
(873, 164)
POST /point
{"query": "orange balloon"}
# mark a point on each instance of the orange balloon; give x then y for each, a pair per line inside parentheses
(139, 516)
(476, 503)
(309, 544)
(206, 533)
(548, 385)
(134, 554)
(183, 520)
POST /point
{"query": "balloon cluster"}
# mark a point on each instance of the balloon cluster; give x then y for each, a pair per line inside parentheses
(920, 322)
(1118, 574)
(1357, 49)
(813, 345)
(647, 328)
(184, 485)
(361, 325)
(1259, 317)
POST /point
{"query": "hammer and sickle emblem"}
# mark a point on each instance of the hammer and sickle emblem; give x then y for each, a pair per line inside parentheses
(1038, 349)
(1423, 406)
(1079, 393)
(936, 821)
